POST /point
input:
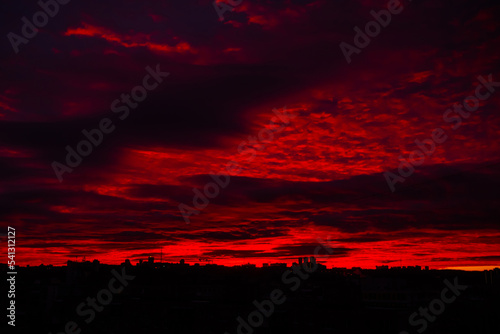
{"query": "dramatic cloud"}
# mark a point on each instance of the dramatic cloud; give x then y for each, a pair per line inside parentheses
(320, 177)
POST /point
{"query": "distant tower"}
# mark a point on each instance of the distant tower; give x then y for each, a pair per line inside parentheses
(151, 260)
(313, 261)
(306, 262)
(182, 261)
(300, 261)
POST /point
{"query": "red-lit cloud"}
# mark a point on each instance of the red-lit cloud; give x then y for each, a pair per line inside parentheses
(319, 178)
(134, 41)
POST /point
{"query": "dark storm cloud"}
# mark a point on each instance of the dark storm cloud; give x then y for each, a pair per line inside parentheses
(427, 205)
(128, 236)
(244, 234)
(283, 251)
(196, 105)
(309, 249)
(495, 258)
(238, 253)
(65, 78)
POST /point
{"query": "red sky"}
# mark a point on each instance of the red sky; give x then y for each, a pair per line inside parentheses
(321, 177)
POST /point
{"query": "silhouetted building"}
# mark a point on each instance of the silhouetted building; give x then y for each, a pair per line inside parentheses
(377, 301)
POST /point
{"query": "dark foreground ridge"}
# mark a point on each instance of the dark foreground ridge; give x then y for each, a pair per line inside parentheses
(90, 297)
